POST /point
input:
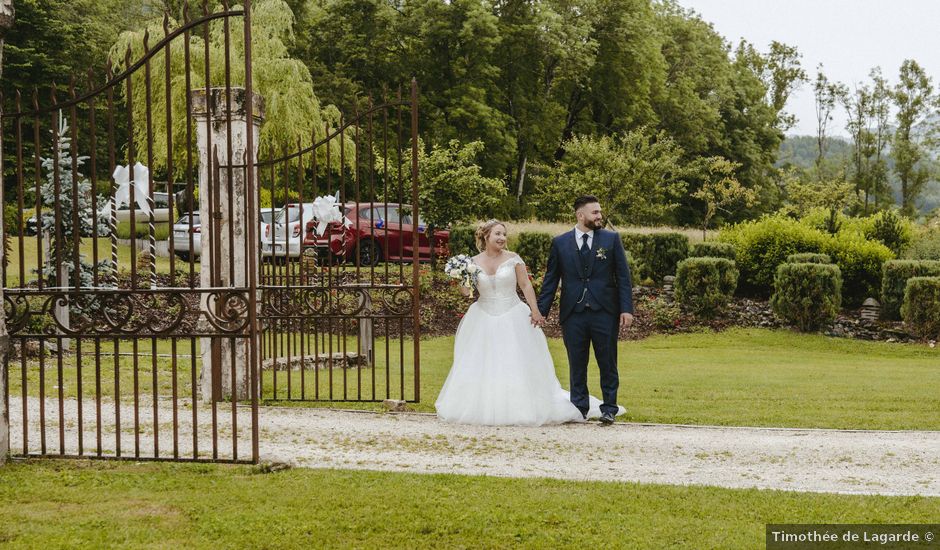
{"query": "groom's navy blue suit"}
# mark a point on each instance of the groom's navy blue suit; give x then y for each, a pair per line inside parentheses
(595, 290)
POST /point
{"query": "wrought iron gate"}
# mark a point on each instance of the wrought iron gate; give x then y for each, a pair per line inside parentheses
(110, 349)
(340, 316)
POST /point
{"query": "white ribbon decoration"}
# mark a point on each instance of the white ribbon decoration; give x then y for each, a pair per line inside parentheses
(326, 210)
(122, 176)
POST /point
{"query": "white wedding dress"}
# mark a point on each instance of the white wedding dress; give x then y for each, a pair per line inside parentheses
(503, 373)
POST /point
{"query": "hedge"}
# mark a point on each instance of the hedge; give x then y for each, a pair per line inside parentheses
(462, 241)
(807, 295)
(808, 258)
(533, 248)
(762, 245)
(705, 285)
(656, 254)
(712, 250)
(921, 307)
(894, 280)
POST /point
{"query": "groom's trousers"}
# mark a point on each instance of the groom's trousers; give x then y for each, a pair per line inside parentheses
(600, 329)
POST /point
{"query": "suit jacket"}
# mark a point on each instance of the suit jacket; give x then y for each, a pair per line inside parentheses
(605, 282)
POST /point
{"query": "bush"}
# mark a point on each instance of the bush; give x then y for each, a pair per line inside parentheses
(712, 250)
(656, 254)
(762, 245)
(705, 285)
(807, 295)
(926, 245)
(895, 275)
(921, 308)
(891, 230)
(533, 248)
(861, 262)
(808, 258)
(12, 219)
(462, 241)
(663, 314)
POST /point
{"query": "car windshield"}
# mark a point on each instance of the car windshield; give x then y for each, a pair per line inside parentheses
(267, 215)
(291, 210)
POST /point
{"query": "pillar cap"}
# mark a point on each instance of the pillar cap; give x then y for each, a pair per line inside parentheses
(220, 108)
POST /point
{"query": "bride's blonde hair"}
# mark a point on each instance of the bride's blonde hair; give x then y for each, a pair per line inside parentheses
(483, 232)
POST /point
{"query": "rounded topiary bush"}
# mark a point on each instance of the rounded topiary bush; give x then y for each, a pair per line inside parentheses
(764, 244)
(712, 250)
(894, 279)
(807, 295)
(808, 258)
(921, 307)
(705, 285)
(861, 262)
(462, 241)
(656, 254)
(533, 247)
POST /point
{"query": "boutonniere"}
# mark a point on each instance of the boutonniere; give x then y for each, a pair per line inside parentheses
(602, 253)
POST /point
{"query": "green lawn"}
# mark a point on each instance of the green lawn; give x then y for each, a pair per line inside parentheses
(80, 504)
(736, 378)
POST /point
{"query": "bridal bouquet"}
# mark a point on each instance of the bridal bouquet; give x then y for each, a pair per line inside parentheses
(460, 267)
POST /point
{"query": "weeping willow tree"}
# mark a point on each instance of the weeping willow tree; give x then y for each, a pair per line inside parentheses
(294, 117)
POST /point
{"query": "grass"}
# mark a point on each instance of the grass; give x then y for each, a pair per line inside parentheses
(514, 228)
(30, 246)
(740, 377)
(54, 504)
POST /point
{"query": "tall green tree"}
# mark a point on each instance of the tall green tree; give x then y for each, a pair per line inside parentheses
(828, 95)
(913, 98)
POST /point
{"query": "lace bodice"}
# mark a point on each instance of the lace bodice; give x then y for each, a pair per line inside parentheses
(498, 291)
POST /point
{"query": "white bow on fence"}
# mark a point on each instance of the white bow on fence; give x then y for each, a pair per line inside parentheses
(122, 177)
(326, 210)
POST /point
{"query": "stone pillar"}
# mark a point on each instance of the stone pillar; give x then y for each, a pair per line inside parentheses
(224, 230)
(6, 21)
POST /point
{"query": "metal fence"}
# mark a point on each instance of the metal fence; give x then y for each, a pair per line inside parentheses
(110, 349)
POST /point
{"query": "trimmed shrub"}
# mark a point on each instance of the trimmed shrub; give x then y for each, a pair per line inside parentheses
(534, 248)
(762, 245)
(808, 258)
(807, 295)
(861, 263)
(656, 254)
(705, 285)
(712, 250)
(926, 245)
(895, 275)
(462, 241)
(921, 307)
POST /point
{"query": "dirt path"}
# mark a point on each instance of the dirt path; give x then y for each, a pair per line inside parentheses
(864, 462)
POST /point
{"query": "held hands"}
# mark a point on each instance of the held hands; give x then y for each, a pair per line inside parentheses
(537, 319)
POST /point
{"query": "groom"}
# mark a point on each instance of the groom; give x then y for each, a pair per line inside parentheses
(596, 301)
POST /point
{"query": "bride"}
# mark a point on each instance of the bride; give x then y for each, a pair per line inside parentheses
(503, 373)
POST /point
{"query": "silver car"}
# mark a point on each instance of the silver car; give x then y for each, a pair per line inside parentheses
(181, 237)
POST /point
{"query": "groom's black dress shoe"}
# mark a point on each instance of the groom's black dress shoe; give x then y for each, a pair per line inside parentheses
(607, 418)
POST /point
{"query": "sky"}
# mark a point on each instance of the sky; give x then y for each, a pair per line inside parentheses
(849, 37)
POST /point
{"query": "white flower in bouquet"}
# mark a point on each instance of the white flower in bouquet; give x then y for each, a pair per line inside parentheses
(462, 268)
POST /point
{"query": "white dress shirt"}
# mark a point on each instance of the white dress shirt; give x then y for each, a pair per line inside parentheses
(579, 239)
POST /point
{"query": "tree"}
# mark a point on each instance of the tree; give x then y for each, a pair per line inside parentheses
(781, 73)
(913, 97)
(639, 177)
(451, 189)
(721, 191)
(293, 114)
(828, 95)
(833, 195)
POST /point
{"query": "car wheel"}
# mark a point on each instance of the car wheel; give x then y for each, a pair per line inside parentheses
(369, 253)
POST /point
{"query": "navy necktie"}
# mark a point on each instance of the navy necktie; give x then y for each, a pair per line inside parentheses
(584, 244)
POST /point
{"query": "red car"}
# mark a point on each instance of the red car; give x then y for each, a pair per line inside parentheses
(378, 232)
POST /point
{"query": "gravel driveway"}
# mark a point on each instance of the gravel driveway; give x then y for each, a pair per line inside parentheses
(862, 462)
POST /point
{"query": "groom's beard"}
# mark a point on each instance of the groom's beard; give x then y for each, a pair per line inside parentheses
(595, 224)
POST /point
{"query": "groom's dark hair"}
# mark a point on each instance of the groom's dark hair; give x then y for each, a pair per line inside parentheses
(582, 200)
